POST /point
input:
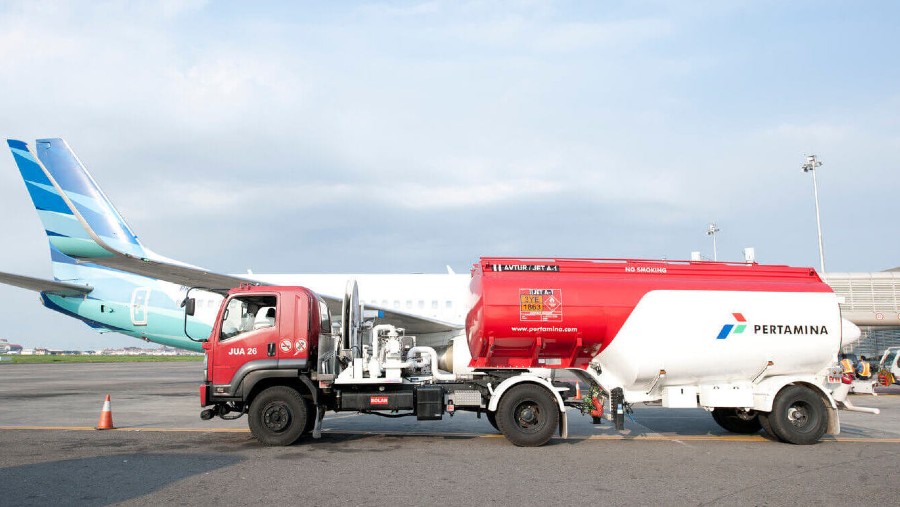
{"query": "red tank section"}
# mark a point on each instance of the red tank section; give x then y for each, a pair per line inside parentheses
(560, 313)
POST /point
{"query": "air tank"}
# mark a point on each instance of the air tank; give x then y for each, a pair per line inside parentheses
(690, 320)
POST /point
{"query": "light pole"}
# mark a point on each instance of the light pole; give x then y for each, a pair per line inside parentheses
(810, 167)
(711, 230)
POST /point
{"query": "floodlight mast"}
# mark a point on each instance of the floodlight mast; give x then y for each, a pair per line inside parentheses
(711, 230)
(812, 162)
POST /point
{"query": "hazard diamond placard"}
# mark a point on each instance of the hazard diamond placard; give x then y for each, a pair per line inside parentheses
(541, 305)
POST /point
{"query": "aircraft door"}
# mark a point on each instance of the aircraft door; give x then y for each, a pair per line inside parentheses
(140, 299)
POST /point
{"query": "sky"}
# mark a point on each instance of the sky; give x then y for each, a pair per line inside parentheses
(396, 137)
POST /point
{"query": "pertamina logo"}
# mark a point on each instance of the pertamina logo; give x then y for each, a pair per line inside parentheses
(729, 329)
(777, 329)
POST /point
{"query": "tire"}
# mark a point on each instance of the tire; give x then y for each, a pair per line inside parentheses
(278, 416)
(766, 426)
(527, 415)
(798, 416)
(737, 421)
(492, 418)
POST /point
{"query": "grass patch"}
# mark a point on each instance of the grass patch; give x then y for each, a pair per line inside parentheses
(17, 359)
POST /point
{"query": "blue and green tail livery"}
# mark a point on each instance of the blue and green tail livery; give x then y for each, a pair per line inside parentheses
(77, 217)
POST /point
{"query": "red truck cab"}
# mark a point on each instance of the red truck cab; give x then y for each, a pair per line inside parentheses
(261, 332)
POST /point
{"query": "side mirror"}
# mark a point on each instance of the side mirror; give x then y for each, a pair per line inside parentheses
(189, 305)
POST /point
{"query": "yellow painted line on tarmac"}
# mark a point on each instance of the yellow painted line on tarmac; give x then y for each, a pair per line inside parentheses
(638, 438)
(735, 438)
(150, 430)
(670, 438)
(862, 440)
(49, 428)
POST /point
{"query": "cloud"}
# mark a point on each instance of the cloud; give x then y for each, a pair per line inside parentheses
(421, 196)
(577, 36)
(818, 133)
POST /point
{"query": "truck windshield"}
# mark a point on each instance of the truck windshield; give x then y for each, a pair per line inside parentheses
(245, 314)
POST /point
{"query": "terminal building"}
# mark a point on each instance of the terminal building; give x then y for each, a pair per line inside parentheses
(872, 302)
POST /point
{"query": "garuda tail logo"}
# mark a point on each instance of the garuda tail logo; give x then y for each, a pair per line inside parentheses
(729, 329)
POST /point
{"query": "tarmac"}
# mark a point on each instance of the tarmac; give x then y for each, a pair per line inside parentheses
(161, 452)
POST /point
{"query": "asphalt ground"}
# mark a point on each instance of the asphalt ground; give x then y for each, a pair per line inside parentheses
(161, 452)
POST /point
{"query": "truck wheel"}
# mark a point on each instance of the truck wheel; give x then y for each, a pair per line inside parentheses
(278, 416)
(492, 418)
(745, 422)
(527, 415)
(798, 416)
(766, 426)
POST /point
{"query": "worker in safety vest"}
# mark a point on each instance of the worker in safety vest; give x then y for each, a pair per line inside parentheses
(863, 369)
(846, 369)
(846, 364)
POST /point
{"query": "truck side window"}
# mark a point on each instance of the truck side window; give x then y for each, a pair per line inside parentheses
(324, 318)
(245, 314)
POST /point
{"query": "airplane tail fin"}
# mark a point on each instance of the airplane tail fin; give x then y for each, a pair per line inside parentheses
(77, 216)
(83, 225)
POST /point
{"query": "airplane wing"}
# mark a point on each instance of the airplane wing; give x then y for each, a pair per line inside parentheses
(46, 286)
(413, 324)
(188, 276)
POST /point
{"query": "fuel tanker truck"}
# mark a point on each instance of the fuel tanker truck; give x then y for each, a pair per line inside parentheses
(755, 345)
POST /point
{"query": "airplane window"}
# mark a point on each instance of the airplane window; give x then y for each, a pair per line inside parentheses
(449, 304)
(421, 304)
(396, 303)
(409, 304)
(434, 304)
(384, 303)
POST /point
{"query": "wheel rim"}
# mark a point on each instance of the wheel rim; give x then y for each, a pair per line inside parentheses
(276, 417)
(798, 415)
(745, 415)
(528, 416)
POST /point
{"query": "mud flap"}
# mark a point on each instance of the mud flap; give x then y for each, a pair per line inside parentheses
(617, 407)
(317, 429)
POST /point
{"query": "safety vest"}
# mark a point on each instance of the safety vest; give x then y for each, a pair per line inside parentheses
(846, 365)
(864, 369)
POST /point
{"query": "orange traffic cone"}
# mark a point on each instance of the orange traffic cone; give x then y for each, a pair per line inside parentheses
(105, 422)
(577, 390)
